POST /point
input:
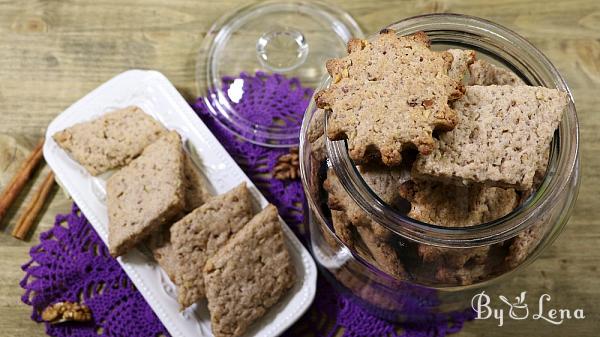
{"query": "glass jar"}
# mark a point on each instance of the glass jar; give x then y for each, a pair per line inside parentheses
(419, 288)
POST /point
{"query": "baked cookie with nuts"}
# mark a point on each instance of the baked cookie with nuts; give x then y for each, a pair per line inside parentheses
(389, 94)
(501, 139)
(248, 275)
(353, 225)
(484, 73)
(457, 206)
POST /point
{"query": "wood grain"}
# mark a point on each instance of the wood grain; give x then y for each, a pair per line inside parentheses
(54, 52)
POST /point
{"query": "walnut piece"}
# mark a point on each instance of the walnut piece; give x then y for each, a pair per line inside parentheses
(61, 312)
(288, 166)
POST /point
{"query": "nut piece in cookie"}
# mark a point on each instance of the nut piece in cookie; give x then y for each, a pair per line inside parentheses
(248, 275)
(110, 141)
(199, 235)
(485, 73)
(146, 194)
(501, 137)
(389, 94)
(457, 206)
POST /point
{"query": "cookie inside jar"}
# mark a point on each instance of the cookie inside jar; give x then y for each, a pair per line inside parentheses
(443, 138)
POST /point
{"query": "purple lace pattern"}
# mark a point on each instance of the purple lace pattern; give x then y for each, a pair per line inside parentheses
(71, 263)
(260, 106)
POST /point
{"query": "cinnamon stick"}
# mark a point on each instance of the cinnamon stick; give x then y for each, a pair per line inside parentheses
(15, 186)
(39, 199)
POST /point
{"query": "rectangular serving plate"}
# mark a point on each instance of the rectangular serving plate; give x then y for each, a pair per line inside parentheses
(152, 91)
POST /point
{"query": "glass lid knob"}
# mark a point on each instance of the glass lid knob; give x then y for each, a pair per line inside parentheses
(282, 50)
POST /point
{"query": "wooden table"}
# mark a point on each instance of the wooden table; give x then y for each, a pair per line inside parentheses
(54, 52)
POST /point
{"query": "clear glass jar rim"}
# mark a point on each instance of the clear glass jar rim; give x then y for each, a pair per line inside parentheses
(562, 165)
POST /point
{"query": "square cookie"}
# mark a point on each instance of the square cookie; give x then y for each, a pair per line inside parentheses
(195, 194)
(199, 235)
(248, 275)
(146, 194)
(111, 141)
(502, 135)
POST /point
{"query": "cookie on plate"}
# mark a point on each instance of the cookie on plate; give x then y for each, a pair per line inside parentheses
(389, 94)
(111, 141)
(146, 194)
(196, 187)
(195, 194)
(248, 275)
(501, 138)
(198, 236)
(162, 250)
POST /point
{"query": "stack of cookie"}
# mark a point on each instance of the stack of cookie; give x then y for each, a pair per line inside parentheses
(461, 140)
(212, 247)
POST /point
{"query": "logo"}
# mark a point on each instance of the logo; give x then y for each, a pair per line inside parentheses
(520, 310)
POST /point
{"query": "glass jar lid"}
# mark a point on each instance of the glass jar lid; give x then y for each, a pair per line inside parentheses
(292, 39)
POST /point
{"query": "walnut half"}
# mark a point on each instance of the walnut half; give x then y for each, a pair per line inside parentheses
(61, 312)
(287, 166)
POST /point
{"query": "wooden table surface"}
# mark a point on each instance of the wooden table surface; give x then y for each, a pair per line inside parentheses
(54, 52)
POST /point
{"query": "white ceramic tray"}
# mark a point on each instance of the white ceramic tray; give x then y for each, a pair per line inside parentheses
(153, 92)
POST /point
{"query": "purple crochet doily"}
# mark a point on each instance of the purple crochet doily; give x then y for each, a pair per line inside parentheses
(71, 263)
(263, 108)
